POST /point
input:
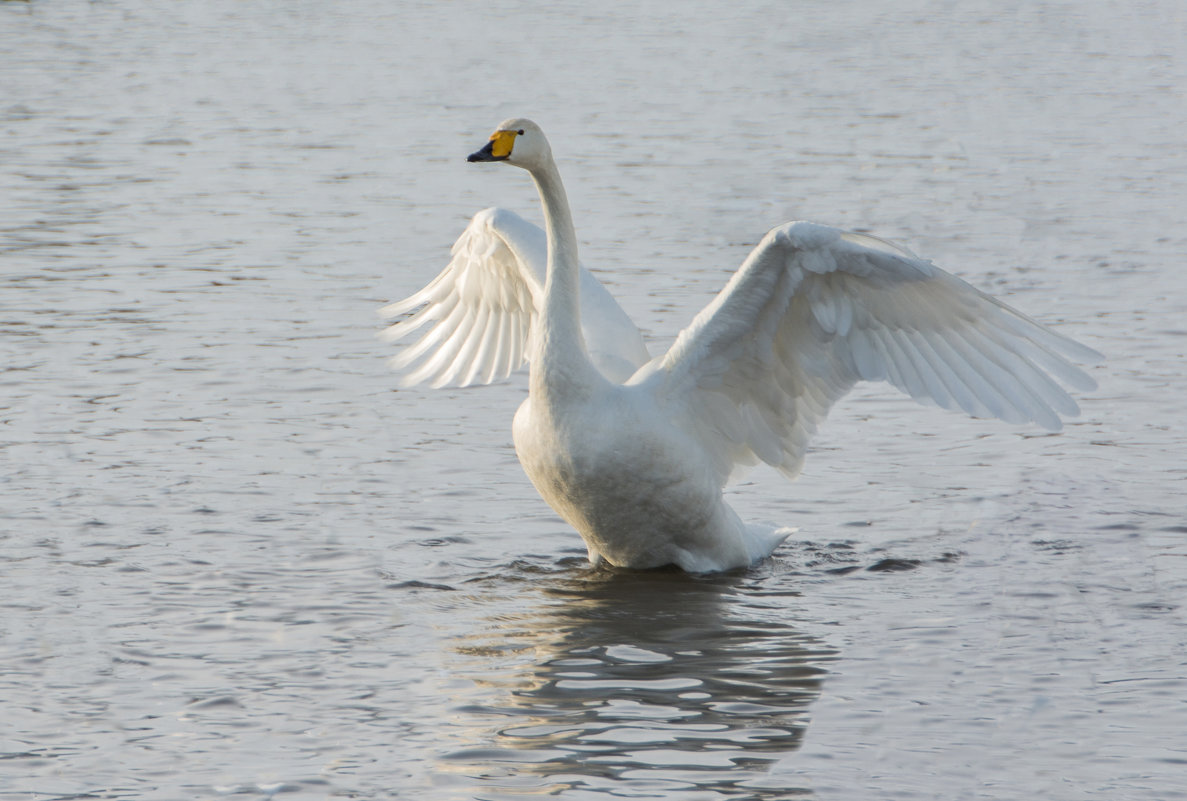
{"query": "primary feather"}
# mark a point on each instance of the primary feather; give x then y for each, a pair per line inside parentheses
(482, 305)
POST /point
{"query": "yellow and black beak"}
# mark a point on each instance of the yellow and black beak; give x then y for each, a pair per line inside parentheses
(497, 149)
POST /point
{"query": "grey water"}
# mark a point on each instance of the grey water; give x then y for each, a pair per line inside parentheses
(236, 561)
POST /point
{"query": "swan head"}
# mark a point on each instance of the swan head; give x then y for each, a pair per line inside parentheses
(516, 141)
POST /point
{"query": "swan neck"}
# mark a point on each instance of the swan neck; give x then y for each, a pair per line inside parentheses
(559, 343)
(558, 222)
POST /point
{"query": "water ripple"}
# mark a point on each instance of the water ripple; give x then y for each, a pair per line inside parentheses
(625, 683)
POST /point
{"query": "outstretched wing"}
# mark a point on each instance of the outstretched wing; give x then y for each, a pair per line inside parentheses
(813, 310)
(479, 311)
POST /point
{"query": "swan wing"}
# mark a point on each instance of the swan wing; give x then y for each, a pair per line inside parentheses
(814, 310)
(476, 316)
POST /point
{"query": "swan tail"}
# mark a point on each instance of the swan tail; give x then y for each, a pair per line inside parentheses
(762, 539)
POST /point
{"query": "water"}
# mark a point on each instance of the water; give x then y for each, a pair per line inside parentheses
(234, 561)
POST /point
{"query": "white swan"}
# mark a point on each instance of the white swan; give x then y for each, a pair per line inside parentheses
(633, 452)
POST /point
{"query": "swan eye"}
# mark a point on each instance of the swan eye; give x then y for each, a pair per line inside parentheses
(520, 132)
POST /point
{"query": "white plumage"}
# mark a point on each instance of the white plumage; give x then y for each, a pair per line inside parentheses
(634, 452)
(482, 306)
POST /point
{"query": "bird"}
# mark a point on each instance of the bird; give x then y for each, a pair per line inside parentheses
(634, 451)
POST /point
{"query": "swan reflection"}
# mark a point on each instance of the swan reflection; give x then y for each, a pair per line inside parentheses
(638, 684)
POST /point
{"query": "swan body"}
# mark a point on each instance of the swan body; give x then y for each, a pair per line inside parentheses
(634, 451)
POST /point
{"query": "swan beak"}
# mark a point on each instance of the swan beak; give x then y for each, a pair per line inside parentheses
(486, 154)
(497, 149)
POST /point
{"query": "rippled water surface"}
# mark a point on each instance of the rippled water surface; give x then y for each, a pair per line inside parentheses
(235, 561)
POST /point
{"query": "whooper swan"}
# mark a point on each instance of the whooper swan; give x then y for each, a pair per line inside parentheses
(633, 452)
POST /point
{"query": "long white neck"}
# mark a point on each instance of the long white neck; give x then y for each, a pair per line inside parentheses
(559, 359)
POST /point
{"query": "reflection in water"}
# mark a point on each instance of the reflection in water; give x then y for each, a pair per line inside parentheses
(637, 684)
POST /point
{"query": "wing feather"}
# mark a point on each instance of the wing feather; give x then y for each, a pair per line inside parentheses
(475, 317)
(814, 310)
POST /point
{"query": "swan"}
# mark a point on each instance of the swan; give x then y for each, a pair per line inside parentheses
(633, 451)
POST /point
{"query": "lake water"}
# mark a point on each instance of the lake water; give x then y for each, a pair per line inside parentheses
(236, 562)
